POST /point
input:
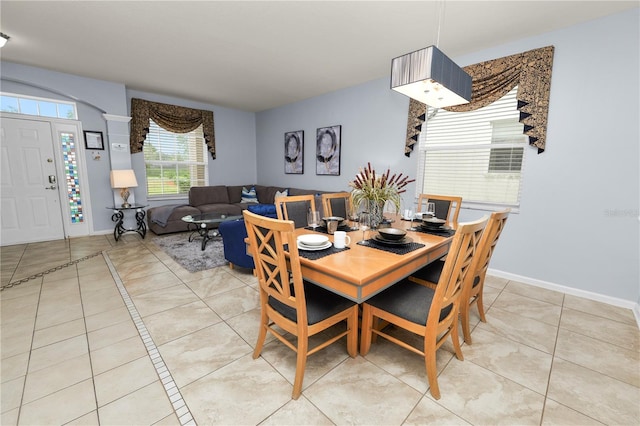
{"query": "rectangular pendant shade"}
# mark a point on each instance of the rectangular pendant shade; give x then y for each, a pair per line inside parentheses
(429, 76)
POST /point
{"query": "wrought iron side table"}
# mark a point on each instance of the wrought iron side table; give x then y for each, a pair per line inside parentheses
(118, 218)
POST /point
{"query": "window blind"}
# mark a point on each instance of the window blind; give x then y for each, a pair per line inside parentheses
(174, 161)
(478, 155)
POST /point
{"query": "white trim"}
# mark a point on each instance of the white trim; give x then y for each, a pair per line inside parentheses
(112, 117)
(623, 303)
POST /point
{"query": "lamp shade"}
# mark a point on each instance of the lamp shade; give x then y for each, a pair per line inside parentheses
(3, 39)
(123, 179)
(429, 76)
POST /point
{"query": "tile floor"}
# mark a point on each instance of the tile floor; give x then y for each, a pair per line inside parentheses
(131, 338)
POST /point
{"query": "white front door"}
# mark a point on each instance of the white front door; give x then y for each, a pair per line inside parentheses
(30, 202)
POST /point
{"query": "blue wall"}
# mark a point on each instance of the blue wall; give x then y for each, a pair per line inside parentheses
(578, 222)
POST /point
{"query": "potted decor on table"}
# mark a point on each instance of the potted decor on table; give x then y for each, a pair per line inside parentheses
(371, 192)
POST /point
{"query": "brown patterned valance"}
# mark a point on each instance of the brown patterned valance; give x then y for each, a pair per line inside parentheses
(530, 71)
(170, 117)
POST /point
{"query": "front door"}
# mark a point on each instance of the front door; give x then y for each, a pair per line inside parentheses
(30, 202)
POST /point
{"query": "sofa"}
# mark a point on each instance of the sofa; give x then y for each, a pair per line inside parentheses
(215, 199)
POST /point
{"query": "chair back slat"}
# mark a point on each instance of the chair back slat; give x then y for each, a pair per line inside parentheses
(278, 275)
(337, 204)
(456, 268)
(295, 208)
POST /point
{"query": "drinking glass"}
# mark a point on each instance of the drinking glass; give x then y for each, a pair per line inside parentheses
(364, 223)
(431, 209)
(313, 219)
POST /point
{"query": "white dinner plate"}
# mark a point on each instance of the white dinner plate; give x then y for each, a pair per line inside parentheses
(313, 240)
(303, 246)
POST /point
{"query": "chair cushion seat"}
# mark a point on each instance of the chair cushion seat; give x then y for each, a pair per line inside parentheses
(407, 300)
(321, 304)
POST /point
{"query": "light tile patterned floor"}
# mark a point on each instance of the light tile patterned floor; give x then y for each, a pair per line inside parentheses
(133, 338)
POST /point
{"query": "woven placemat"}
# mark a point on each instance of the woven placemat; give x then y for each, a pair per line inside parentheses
(403, 249)
(438, 232)
(323, 229)
(317, 254)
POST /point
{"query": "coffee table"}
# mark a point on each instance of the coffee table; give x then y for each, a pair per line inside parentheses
(203, 223)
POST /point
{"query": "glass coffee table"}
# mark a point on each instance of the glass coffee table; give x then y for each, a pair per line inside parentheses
(202, 224)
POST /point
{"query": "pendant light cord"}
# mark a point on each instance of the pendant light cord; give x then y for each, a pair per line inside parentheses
(440, 13)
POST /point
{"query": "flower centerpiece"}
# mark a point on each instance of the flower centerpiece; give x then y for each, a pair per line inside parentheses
(371, 192)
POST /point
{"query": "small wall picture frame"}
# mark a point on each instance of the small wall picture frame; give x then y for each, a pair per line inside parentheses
(328, 144)
(294, 152)
(93, 140)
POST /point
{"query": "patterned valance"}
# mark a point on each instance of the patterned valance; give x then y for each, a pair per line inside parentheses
(173, 118)
(491, 80)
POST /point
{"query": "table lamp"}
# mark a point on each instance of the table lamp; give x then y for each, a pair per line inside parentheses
(123, 179)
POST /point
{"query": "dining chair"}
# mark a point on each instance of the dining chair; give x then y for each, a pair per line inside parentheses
(295, 208)
(336, 204)
(431, 314)
(447, 207)
(473, 294)
(288, 304)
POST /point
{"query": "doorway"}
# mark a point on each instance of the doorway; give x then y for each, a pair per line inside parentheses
(41, 181)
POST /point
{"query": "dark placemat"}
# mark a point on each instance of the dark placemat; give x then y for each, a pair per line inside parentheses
(438, 232)
(319, 254)
(403, 249)
(323, 229)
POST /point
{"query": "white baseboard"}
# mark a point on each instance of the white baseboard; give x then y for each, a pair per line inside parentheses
(623, 303)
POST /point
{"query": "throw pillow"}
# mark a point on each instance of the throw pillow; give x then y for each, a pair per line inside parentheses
(284, 193)
(249, 195)
(268, 210)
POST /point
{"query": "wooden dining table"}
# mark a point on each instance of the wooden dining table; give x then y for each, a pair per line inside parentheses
(363, 271)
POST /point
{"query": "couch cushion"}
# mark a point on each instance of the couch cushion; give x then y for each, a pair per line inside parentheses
(235, 193)
(228, 209)
(249, 195)
(267, 194)
(199, 195)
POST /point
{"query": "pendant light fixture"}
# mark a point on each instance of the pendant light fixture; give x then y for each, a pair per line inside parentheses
(431, 77)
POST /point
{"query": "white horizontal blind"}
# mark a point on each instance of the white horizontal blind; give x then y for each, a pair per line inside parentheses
(174, 161)
(477, 155)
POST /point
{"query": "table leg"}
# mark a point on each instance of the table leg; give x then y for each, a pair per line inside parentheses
(142, 226)
(119, 228)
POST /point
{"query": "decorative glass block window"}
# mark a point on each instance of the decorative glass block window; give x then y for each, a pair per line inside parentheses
(42, 107)
(69, 155)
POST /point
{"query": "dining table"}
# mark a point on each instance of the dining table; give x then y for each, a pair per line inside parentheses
(360, 271)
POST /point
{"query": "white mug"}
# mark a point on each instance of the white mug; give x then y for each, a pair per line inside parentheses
(341, 239)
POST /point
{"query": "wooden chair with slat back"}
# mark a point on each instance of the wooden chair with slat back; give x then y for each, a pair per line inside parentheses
(432, 314)
(336, 204)
(447, 207)
(430, 275)
(295, 208)
(287, 302)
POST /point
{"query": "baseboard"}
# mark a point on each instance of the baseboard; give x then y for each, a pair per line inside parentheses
(634, 306)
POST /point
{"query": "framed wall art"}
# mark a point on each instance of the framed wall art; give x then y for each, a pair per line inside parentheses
(328, 150)
(93, 140)
(294, 152)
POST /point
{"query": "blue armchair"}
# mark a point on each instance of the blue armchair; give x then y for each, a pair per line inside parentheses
(233, 234)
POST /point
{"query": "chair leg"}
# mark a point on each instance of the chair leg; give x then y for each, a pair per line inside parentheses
(455, 337)
(230, 265)
(262, 334)
(432, 370)
(367, 322)
(464, 318)
(480, 305)
(301, 363)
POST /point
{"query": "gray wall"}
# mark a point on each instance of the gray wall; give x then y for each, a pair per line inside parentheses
(235, 130)
(578, 222)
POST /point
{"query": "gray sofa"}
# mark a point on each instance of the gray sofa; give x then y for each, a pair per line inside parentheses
(214, 199)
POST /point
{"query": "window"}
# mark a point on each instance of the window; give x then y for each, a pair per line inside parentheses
(478, 155)
(174, 161)
(42, 107)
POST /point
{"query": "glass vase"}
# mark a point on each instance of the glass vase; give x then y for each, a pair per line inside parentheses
(376, 210)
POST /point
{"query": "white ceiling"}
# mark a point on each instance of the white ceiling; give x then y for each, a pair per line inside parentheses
(263, 54)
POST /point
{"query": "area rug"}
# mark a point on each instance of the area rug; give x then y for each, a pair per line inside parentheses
(190, 254)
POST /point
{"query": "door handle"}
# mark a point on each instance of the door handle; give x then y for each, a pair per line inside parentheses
(51, 187)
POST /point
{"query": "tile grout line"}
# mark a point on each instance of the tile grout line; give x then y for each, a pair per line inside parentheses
(180, 408)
